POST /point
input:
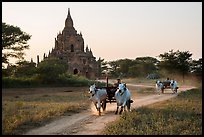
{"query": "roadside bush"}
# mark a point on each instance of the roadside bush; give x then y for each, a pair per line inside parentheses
(67, 79)
(49, 70)
(12, 82)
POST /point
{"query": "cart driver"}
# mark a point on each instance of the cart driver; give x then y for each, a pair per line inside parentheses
(167, 82)
(167, 79)
(117, 83)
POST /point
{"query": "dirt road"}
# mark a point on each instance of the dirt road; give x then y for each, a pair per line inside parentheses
(89, 123)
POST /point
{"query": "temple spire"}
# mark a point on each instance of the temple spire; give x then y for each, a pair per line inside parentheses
(69, 21)
(68, 12)
(87, 49)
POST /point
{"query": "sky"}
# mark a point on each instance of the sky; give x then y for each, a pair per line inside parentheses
(113, 30)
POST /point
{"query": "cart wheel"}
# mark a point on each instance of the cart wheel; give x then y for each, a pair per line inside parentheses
(176, 90)
(128, 104)
(162, 90)
(104, 105)
(95, 106)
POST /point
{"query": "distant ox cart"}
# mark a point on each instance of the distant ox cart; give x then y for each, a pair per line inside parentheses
(167, 84)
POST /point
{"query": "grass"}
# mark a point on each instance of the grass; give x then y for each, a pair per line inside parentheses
(23, 110)
(143, 81)
(178, 116)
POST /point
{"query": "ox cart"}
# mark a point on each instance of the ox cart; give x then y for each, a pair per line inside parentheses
(102, 95)
(111, 94)
(170, 84)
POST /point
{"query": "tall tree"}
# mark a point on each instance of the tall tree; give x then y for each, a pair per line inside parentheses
(14, 41)
(196, 67)
(176, 62)
(184, 59)
(102, 65)
(168, 61)
(147, 64)
(124, 66)
(114, 68)
(141, 66)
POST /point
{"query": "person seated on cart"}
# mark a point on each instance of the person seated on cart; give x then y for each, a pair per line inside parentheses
(167, 82)
(117, 83)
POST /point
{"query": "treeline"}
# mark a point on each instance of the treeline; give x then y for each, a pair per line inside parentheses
(168, 63)
(53, 71)
(49, 72)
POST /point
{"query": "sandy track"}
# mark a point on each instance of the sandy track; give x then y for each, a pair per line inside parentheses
(89, 123)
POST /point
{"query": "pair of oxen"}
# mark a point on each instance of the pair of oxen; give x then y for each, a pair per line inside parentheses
(167, 84)
(122, 96)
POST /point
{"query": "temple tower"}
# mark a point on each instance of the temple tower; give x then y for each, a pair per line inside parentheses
(69, 46)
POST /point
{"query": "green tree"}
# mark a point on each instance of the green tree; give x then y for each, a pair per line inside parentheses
(14, 41)
(184, 59)
(114, 68)
(146, 65)
(168, 61)
(9, 71)
(141, 66)
(124, 66)
(176, 62)
(196, 67)
(102, 65)
(25, 69)
(50, 69)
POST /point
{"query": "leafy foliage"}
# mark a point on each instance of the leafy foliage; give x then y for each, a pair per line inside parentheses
(9, 71)
(175, 61)
(49, 69)
(14, 41)
(25, 69)
(21, 69)
(67, 79)
(102, 67)
(14, 82)
(196, 67)
(141, 66)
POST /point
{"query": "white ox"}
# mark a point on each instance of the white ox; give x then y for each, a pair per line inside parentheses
(159, 86)
(174, 86)
(123, 98)
(98, 96)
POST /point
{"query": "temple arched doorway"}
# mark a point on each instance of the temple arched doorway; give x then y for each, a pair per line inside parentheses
(76, 71)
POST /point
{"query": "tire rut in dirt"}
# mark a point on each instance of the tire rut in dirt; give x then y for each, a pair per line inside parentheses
(77, 126)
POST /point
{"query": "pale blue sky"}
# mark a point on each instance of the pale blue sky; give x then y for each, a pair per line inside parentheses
(113, 30)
